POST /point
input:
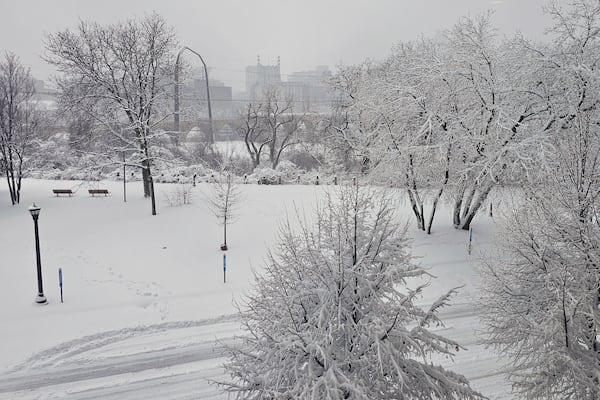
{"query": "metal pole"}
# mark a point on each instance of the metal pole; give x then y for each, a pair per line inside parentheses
(124, 181)
(60, 283)
(210, 120)
(176, 101)
(40, 297)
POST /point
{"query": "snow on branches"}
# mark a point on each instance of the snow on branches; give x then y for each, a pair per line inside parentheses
(332, 317)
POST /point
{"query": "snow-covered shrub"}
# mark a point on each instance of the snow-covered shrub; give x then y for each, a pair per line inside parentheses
(267, 176)
(288, 171)
(179, 195)
(332, 317)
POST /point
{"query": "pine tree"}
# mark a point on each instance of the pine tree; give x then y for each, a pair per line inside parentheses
(333, 318)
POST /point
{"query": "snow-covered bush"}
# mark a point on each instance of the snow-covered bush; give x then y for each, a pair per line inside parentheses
(267, 176)
(332, 317)
(288, 171)
(179, 195)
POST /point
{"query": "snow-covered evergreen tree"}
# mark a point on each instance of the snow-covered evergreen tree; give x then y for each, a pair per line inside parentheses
(333, 318)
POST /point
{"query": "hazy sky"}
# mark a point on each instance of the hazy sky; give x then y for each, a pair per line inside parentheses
(230, 33)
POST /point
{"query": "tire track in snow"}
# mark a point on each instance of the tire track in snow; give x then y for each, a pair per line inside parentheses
(67, 350)
(174, 360)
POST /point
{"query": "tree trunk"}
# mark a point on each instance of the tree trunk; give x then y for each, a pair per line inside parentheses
(417, 209)
(148, 182)
(466, 222)
(433, 209)
(152, 196)
(10, 188)
(456, 210)
(146, 178)
(466, 205)
(437, 198)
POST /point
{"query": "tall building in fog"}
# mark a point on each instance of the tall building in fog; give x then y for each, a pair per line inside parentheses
(260, 77)
(313, 84)
(308, 90)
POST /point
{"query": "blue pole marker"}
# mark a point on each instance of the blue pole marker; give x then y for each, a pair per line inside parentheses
(60, 283)
(224, 268)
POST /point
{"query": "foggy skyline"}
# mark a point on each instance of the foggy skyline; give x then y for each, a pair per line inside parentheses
(230, 34)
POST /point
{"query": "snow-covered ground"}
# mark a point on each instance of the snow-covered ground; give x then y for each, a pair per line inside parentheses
(146, 311)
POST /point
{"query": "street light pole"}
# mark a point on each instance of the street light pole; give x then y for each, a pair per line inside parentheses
(176, 105)
(35, 213)
(124, 180)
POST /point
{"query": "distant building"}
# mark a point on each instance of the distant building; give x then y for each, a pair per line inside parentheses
(308, 90)
(220, 95)
(316, 95)
(260, 77)
(194, 98)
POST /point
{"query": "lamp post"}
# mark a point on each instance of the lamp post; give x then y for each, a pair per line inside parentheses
(35, 213)
(176, 126)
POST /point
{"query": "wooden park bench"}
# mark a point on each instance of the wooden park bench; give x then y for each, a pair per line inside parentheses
(58, 192)
(98, 191)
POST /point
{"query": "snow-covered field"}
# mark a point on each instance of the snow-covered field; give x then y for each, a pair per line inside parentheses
(146, 311)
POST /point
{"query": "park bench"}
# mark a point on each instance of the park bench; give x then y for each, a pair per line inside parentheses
(98, 191)
(58, 192)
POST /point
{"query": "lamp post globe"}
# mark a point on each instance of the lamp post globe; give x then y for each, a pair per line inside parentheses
(35, 214)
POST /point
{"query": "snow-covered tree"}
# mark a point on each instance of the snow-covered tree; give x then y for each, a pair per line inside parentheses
(19, 120)
(542, 293)
(542, 289)
(252, 132)
(119, 75)
(224, 197)
(461, 112)
(270, 125)
(332, 316)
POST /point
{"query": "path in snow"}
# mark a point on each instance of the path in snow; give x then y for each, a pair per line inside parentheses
(177, 360)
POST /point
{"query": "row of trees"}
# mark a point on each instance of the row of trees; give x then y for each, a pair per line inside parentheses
(116, 85)
(457, 115)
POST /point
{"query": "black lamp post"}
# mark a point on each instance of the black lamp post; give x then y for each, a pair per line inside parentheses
(35, 213)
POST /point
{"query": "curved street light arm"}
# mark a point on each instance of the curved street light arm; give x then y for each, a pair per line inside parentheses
(176, 105)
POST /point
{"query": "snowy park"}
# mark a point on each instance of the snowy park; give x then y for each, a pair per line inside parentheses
(275, 200)
(138, 289)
